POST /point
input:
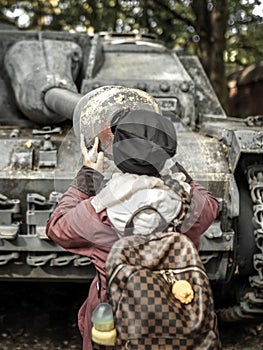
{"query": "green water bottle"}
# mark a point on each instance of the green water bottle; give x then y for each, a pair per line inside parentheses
(103, 330)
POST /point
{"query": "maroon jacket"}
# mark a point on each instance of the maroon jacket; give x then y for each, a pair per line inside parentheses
(79, 229)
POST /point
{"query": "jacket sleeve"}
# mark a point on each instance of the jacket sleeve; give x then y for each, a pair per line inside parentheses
(74, 224)
(203, 209)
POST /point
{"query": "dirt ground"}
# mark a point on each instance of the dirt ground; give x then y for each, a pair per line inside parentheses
(42, 316)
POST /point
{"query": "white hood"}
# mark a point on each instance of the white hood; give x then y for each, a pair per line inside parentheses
(125, 193)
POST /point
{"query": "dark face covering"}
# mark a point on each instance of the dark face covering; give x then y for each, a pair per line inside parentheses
(143, 141)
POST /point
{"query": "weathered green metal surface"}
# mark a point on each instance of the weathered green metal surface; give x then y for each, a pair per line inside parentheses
(74, 84)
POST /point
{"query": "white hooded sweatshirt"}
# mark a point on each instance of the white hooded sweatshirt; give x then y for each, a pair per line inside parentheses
(126, 193)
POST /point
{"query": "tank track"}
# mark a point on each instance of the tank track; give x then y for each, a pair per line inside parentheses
(251, 303)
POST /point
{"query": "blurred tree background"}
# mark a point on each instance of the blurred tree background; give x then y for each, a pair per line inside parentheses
(225, 34)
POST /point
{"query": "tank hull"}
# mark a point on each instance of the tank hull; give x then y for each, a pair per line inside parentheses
(40, 152)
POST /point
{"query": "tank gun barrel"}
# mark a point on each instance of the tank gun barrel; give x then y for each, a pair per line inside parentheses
(62, 101)
(36, 78)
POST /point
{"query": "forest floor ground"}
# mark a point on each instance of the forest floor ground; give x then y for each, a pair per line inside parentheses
(43, 316)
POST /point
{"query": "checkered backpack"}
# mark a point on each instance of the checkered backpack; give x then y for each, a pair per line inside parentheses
(160, 294)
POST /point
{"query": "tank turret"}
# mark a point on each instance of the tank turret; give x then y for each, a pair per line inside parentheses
(56, 85)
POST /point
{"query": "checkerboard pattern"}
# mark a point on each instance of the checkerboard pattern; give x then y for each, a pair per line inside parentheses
(147, 315)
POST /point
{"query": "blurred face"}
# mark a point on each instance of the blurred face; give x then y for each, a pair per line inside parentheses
(106, 140)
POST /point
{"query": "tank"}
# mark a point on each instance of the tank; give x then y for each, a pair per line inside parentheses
(56, 85)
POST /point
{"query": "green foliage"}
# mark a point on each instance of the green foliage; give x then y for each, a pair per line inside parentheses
(244, 35)
(172, 21)
(225, 34)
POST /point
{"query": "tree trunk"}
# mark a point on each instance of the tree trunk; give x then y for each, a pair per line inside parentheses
(211, 27)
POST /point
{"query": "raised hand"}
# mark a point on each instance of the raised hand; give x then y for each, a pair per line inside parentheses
(92, 158)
